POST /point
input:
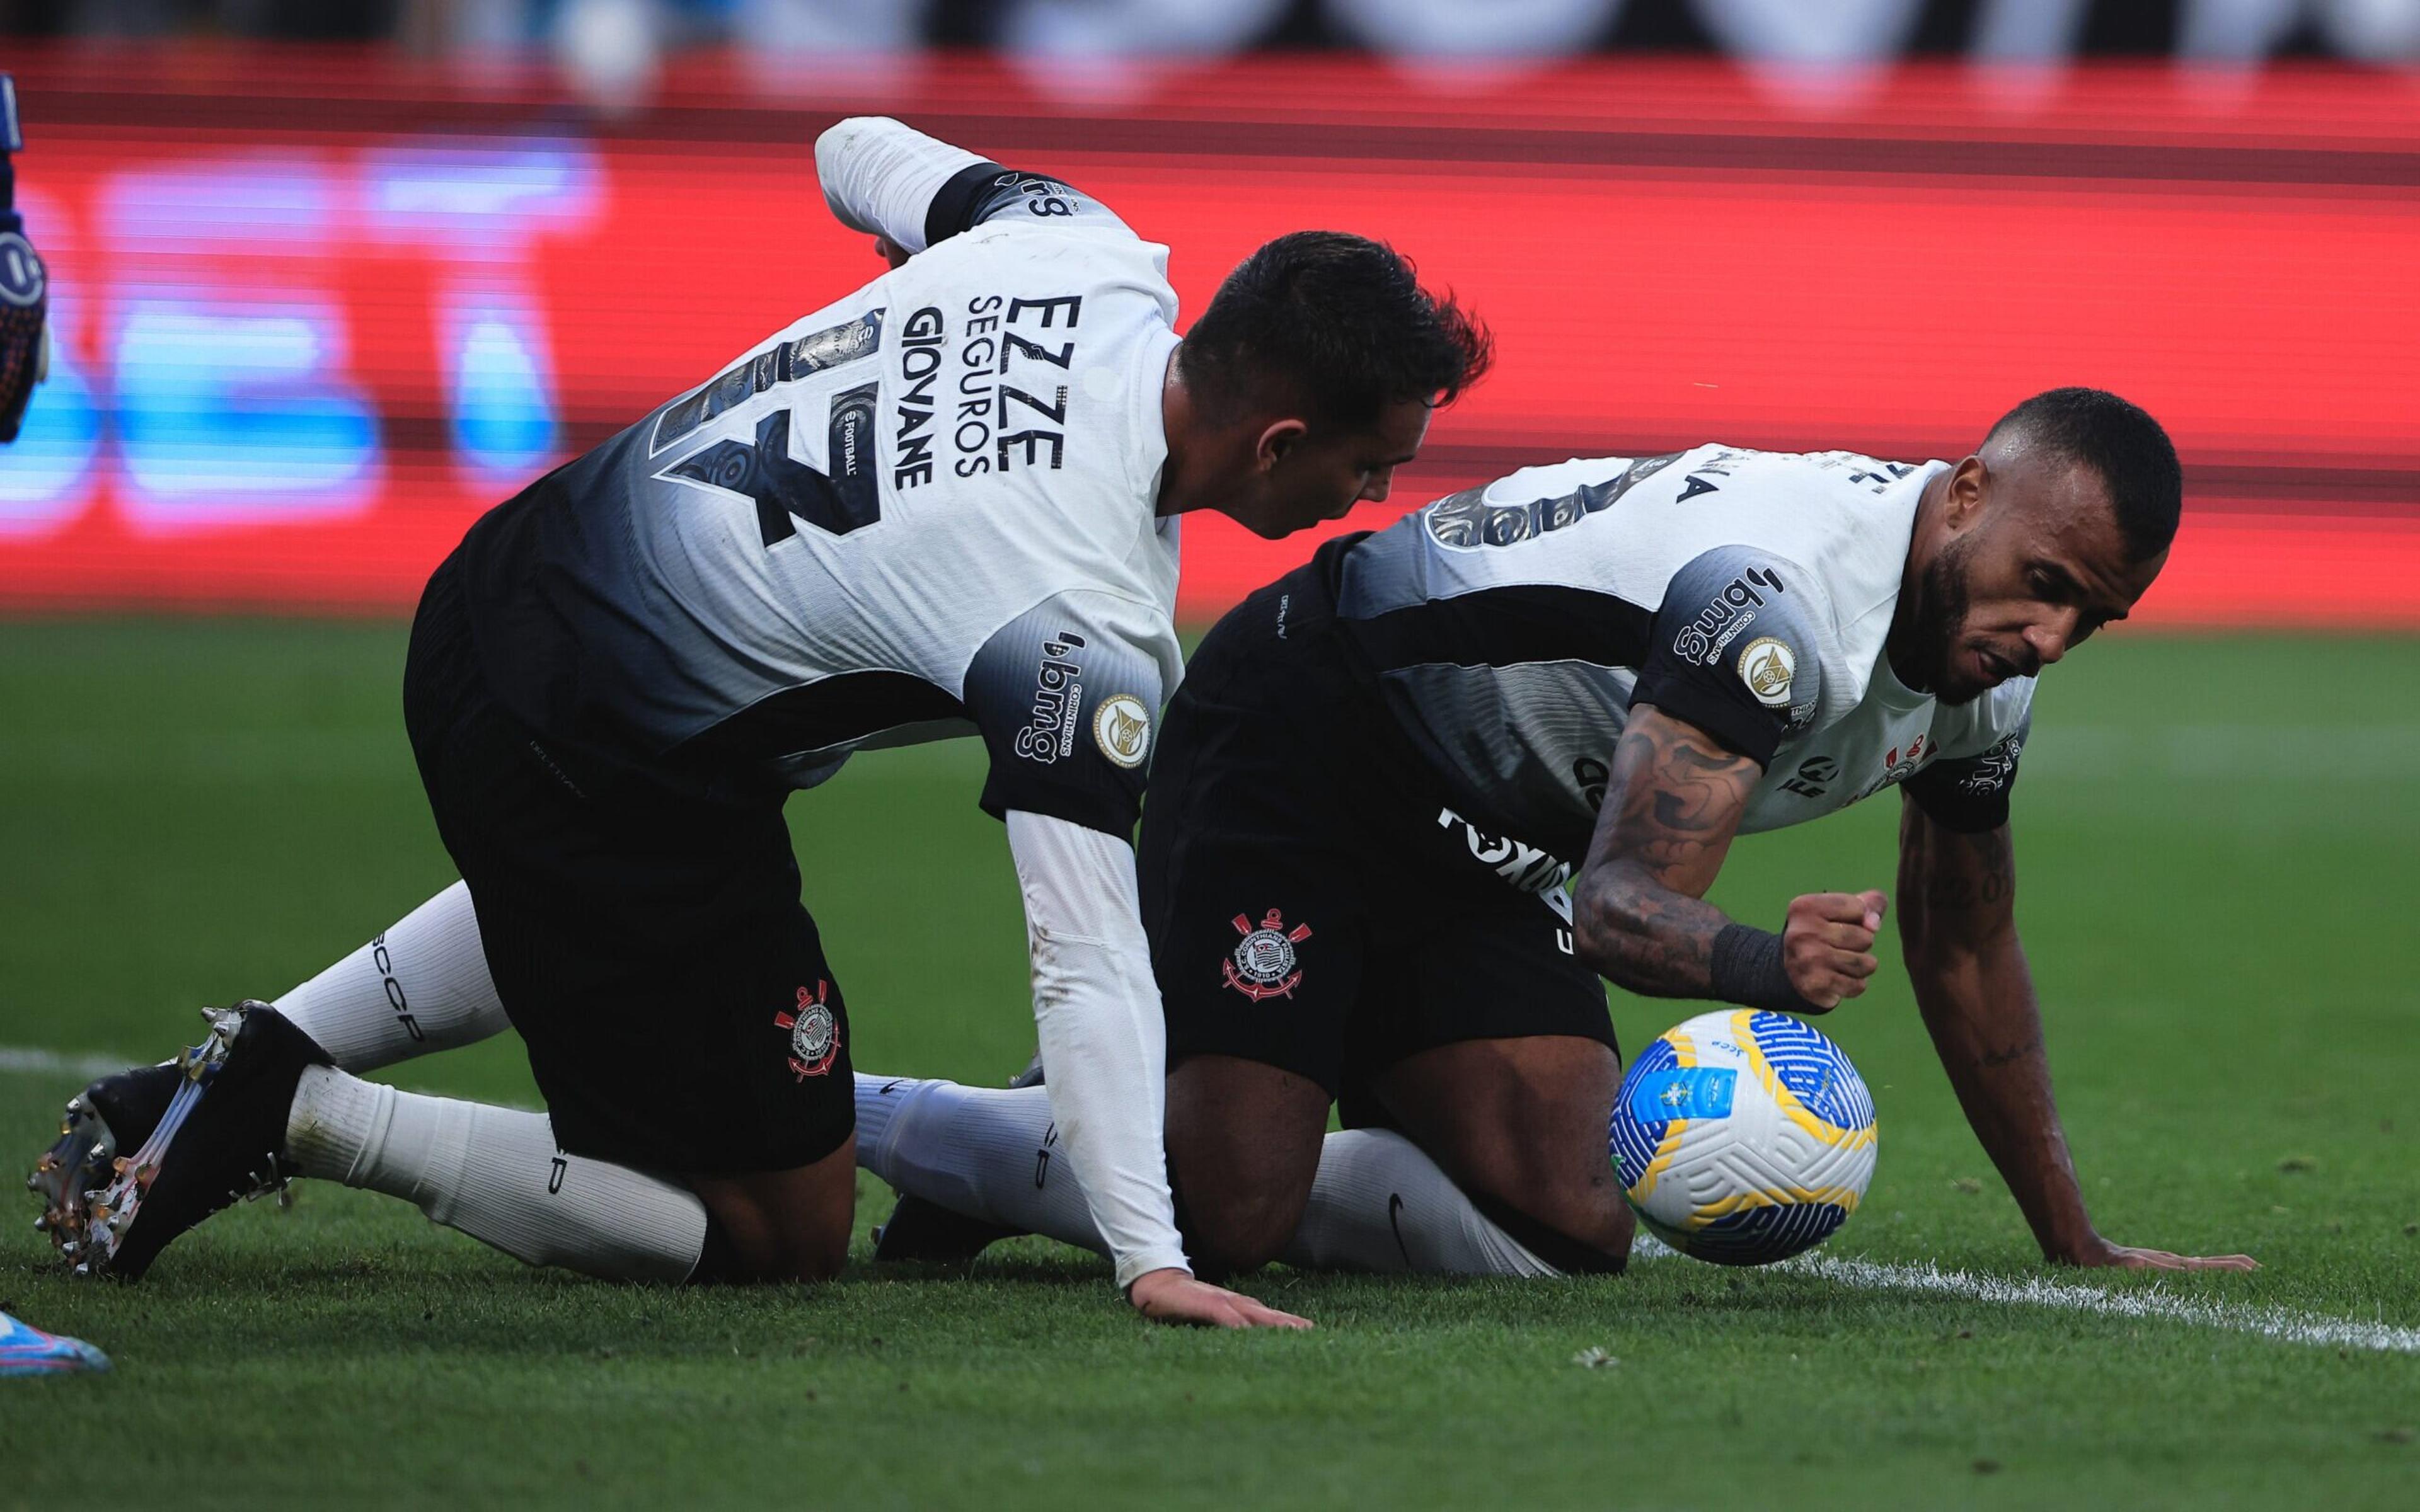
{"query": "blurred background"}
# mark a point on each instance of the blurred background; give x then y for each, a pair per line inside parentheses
(330, 278)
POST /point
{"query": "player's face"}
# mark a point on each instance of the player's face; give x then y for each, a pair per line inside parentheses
(1307, 473)
(2042, 568)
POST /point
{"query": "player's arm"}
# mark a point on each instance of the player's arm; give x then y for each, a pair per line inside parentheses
(1105, 1044)
(1732, 667)
(910, 191)
(1957, 928)
(1640, 916)
(1066, 696)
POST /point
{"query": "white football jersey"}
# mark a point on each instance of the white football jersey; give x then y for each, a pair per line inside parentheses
(925, 509)
(1510, 628)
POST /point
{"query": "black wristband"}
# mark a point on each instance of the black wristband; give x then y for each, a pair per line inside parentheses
(1746, 969)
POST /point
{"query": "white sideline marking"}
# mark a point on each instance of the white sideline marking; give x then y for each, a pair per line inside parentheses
(33, 1062)
(2277, 1324)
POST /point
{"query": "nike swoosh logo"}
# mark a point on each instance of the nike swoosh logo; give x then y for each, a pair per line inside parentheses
(1395, 1206)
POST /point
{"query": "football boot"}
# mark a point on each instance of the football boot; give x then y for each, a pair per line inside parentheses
(116, 1112)
(924, 1232)
(26, 1350)
(220, 1141)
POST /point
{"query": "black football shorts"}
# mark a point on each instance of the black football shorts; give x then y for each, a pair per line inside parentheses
(1312, 904)
(647, 941)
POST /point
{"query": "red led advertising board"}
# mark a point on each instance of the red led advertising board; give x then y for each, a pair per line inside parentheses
(313, 317)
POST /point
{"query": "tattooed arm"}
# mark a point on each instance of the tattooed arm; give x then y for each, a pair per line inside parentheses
(1958, 928)
(1671, 807)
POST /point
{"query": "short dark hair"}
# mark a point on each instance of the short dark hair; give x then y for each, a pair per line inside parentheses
(1336, 322)
(2122, 443)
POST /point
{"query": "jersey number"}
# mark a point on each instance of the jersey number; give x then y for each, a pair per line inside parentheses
(786, 490)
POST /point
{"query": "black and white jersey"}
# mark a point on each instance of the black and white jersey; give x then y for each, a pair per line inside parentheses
(924, 510)
(1511, 628)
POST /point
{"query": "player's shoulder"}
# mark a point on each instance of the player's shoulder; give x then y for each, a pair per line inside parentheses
(1102, 259)
(1121, 594)
(1842, 517)
(1813, 505)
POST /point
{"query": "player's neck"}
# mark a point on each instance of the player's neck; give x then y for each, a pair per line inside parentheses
(1179, 418)
(1899, 646)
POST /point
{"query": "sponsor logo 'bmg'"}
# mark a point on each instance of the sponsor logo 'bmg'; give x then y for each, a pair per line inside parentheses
(1731, 609)
(1058, 701)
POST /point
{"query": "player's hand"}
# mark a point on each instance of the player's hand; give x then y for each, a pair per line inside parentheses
(2100, 1252)
(1827, 943)
(891, 251)
(1173, 1296)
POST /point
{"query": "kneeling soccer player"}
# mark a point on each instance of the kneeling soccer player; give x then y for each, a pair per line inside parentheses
(942, 505)
(1349, 852)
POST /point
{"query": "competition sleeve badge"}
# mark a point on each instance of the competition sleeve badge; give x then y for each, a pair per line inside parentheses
(814, 1032)
(1768, 665)
(1122, 728)
(1263, 965)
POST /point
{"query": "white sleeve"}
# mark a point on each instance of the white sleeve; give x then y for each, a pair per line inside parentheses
(880, 176)
(1104, 1042)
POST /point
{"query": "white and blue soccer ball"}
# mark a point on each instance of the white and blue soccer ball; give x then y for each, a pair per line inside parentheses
(1744, 1137)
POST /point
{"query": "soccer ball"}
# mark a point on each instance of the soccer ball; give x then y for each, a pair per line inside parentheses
(1744, 1137)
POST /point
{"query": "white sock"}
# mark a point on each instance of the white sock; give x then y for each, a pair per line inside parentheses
(420, 986)
(987, 1153)
(496, 1174)
(1379, 1203)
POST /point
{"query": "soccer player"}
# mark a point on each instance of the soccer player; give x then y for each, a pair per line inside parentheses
(1350, 863)
(945, 505)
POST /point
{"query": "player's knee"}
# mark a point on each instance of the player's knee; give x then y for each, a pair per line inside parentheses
(1231, 1227)
(750, 1241)
(1236, 1215)
(1243, 1148)
(1600, 1219)
(810, 1254)
(1614, 1239)
(1582, 1230)
(763, 1259)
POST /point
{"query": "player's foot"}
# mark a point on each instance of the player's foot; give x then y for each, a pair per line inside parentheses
(26, 1350)
(928, 1233)
(219, 1142)
(111, 1114)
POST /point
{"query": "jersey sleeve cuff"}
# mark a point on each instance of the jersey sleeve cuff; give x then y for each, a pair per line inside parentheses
(955, 204)
(1753, 732)
(1112, 815)
(1959, 812)
(1133, 1268)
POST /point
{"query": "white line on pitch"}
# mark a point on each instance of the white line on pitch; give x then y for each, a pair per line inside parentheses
(35, 1062)
(2281, 1324)
(2278, 1323)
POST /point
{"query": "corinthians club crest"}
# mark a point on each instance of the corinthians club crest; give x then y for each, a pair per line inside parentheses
(814, 1032)
(1263, 965)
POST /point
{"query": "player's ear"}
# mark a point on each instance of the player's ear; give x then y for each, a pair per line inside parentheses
(1277, 438)
(1970, 488)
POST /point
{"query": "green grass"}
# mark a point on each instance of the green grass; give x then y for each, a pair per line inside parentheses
(2216, 841)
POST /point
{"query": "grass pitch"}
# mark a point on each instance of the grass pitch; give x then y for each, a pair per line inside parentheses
(2215, 842)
